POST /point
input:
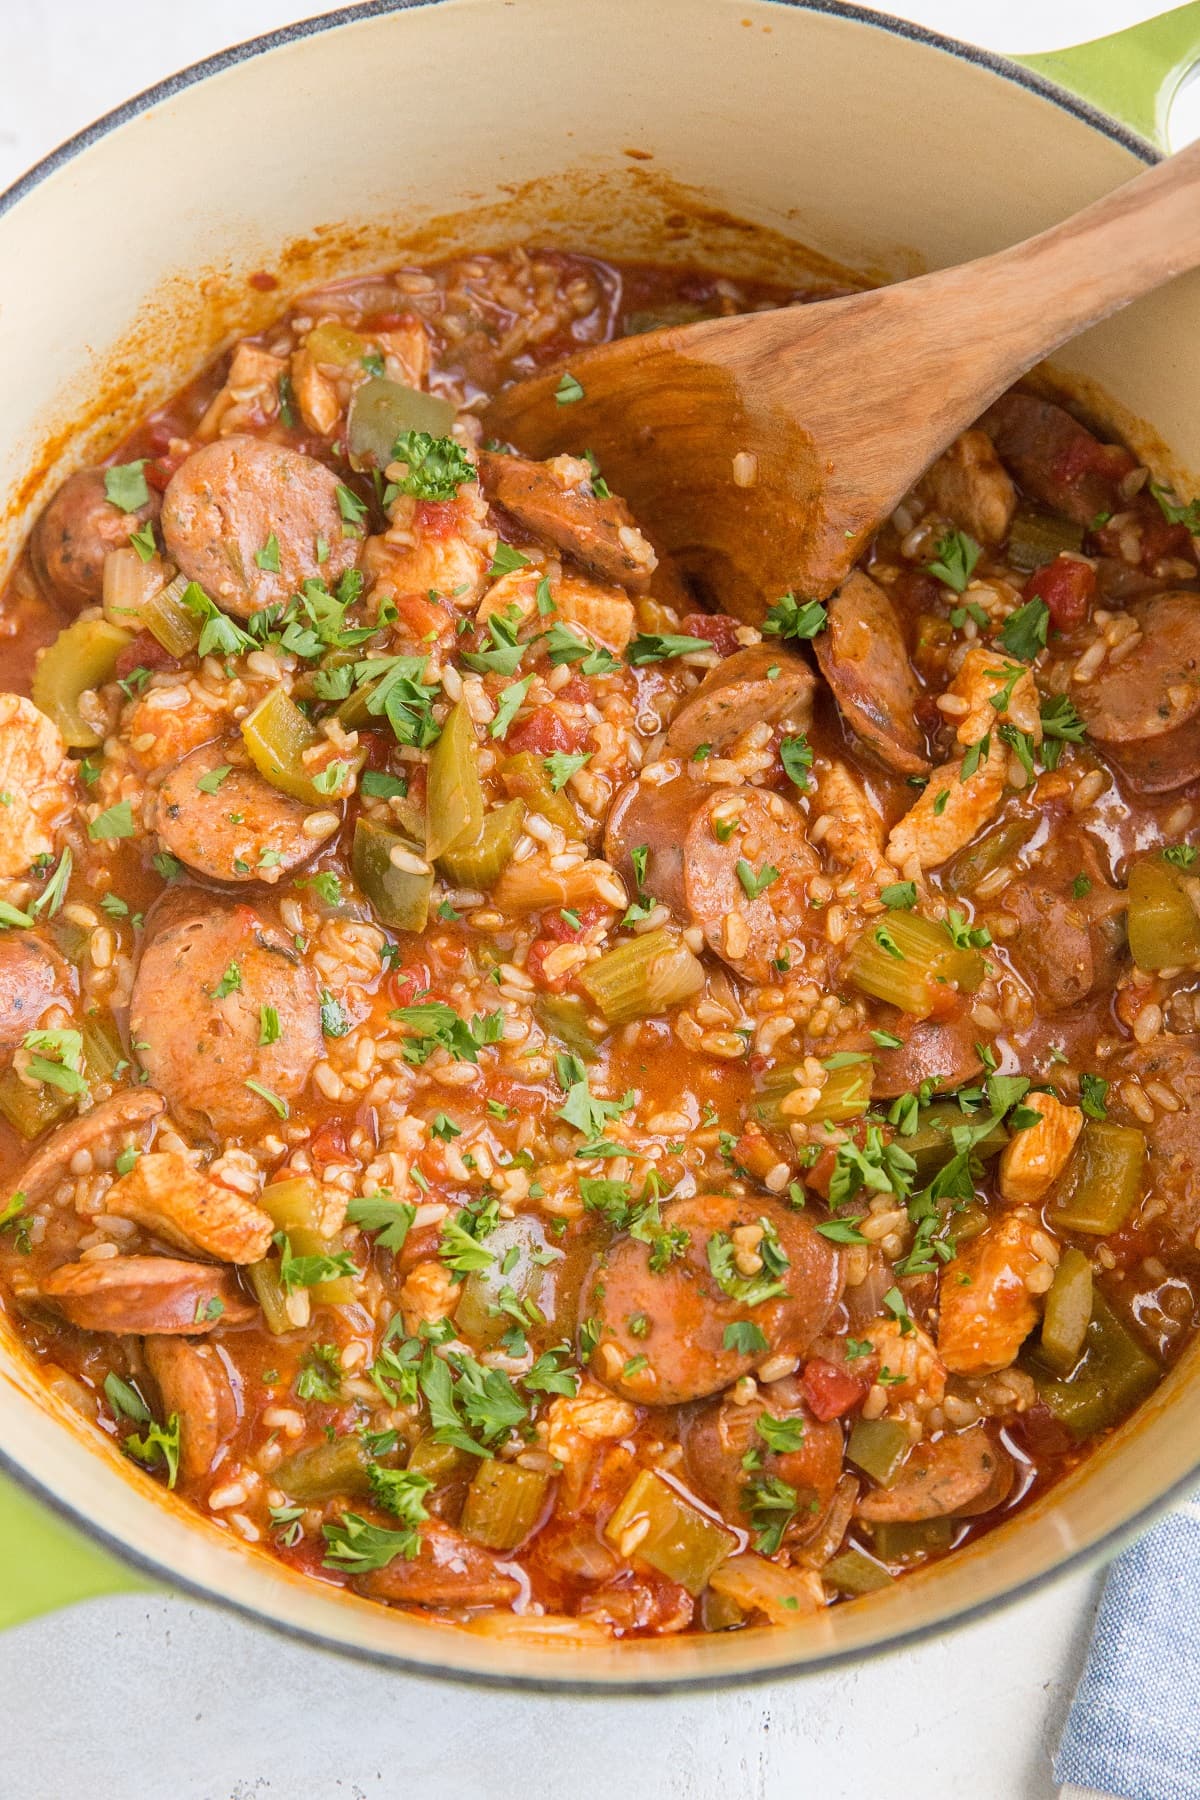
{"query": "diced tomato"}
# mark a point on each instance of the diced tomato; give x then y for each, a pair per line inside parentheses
(1068, 586)
(438, 518)
(424, 619)
(328, 1145)
(144, 652)
(831, 1391)
(1083, 455)
(544, 731)
(720, 630)
(404, 985)
(1041, 1433)
(553, 925)
(1159, 537)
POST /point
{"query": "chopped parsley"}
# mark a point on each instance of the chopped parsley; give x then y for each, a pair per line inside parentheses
(125, 485)
(792, 618)
(569, 390)
(1023, 633)
(1093, 1093)
(795, 753)
(753, 885)
(654, 646)
(437, 467)
(115, 822)
(955, 556)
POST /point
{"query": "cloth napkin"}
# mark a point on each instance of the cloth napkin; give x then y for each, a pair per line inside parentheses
(1134, 1726)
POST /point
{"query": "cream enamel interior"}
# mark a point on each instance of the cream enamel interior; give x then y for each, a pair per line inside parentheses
(125, 267)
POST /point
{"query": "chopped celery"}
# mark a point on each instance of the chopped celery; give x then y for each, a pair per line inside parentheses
(325, 1470)
(297, 1207)
(880, 1448)
(910, 962)
(276, 735)
(1037, 537)
(1164, 915)
(642, 976)
(31, 1110)
(271, 1295)
(1113, 1375)
(480, 862)
(102, 1049)
(931, 1145)
(398, 896)
(454, 796)
(164, 615)
(441, 1462)
(1100, 1184)
(845, 1095)
(1068, 1312)
(900, 1540)
(719, 1612)
(565, 1017)
(382, 410)
(987, 853)
(525, 777)
(498, 1296)
(854, 1572)
(503, 1504)
(669, 1533)
(81, 658)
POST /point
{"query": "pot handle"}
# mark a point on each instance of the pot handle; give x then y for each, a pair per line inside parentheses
(45, 1564)
(1134, 74)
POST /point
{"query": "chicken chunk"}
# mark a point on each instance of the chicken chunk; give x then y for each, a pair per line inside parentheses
(1033, 1160)
(173, 1201)
(988, 1294)
(969, 485)
(37, 781)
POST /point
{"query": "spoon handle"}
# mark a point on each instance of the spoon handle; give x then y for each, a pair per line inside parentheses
(991, 320)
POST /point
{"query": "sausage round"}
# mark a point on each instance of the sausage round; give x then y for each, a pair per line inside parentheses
(690, 870)
(863, 657)
(75, 533)
(1055, 458)
(718, 1436)
(225, 503)
(448, 1570)
(943, 1052)
(33, 977)
(245, 830)
(1145, 712)
(124, 1120)
(957, 1475)
(200, 1046)
(192, 1381)
(740, 692)
(545, 498)
(683, 1355)
(1173, 1138)
(136, 1294)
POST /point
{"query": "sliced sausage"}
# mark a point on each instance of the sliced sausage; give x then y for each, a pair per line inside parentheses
(968, 485)
(1144, 713)
(693, 872)
(957, 1475)
(33, 977)
(134, 1295)
(683, 1355)
(192, 1381)
(244, 829)
(864, 658)
(1056, 459)
(448, 1570)
(37, 781)
(75, 533)
(556, 500)
(1173, 1138)
(122, 1122)
(225, 503)
(943, 1052)
(1057, 948)
(721, 1434)
(208, 967)
(761, 685)
(165, 1195)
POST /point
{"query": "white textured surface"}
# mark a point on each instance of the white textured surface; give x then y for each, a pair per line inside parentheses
(157, 1699)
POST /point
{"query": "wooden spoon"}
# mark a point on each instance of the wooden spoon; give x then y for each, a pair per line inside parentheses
(764, 450)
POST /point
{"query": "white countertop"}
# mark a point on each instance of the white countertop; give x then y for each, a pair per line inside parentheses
(160, 1699)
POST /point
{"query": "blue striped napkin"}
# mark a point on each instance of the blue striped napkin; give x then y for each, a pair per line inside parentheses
(1134, 1726)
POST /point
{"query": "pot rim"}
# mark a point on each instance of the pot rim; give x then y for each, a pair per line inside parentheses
(576, 1687)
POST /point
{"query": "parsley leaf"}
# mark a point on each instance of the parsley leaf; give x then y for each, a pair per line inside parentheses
(956, 556)
(1023, 634)
(125, 485)
(753, 885)
(654, 646)
(357, 1547)
(159, 1444)
(795, 753)
(511, 701)
(792, 618)
(569, 390)
(1093, 1093)
(437, 467)
(561, 765)
(115, 822)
